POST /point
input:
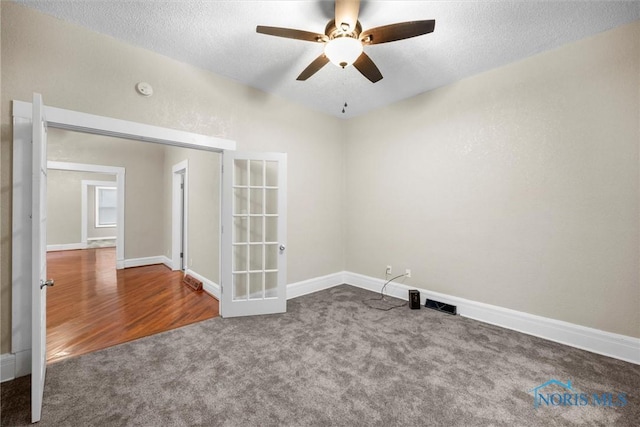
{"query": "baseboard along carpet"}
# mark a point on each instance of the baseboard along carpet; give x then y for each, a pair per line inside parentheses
(332, 360)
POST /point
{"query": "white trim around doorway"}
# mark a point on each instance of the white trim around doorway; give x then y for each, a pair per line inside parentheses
(21, 195)
(179, 215)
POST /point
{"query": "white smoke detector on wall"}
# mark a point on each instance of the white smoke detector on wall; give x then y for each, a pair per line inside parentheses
(144, 89)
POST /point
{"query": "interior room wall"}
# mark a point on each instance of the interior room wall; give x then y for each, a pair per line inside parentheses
(80, 70)
(203, 235)
(144, 193)
(94, 232)
(64, 205)
(517, 187)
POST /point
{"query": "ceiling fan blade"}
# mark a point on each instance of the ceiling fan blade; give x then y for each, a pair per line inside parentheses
(313, 68)
(365, 65)
(347, 13)
(290, 33)
(399, 31)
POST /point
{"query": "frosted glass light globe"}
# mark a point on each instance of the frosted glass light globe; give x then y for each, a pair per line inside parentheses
(343, 51)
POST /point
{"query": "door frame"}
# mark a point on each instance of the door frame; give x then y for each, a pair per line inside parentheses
(179, 215)
(21, 195)
(120, 181)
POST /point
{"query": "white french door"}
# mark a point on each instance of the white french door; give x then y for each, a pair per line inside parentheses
(38, 257)
(254, 260)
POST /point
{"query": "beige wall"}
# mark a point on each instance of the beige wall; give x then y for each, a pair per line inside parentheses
(144, 192)
(64, 205)
(517, 187)
(203, 237)
(84, 71)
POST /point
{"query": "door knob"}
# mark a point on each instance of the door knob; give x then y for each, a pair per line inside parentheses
(282, 248)
(49, 282)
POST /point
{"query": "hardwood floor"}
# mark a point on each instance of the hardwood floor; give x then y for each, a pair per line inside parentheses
(93, 306)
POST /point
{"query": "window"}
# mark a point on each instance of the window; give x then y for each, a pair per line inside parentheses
(106, 206)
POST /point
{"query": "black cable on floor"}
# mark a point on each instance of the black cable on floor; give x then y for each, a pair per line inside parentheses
(365, 302)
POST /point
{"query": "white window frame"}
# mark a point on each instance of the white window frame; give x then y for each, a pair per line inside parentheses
(98, 223)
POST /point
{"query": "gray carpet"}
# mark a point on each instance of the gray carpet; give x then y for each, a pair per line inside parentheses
(329, 360)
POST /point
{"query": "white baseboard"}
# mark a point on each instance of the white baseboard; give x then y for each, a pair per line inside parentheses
(66, 247)
(210, 287)
(166, 261)
(316, 284)
(7, 367)
(92, 239)
(606, 343)
(141, 262)
(23, 363)
(15, 365)
(594, 340)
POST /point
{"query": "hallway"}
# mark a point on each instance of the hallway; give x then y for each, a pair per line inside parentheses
(94, 306)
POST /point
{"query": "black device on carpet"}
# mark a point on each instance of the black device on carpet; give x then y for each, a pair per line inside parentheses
(414, 299)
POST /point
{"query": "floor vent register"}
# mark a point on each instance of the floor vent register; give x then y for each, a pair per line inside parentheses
(192, 282)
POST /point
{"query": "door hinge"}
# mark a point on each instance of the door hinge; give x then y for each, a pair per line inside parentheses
(181, 255)
(182, 186)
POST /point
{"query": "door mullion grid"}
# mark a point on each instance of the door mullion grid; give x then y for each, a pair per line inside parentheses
(264, 230)
(248, 216)
(235, 271)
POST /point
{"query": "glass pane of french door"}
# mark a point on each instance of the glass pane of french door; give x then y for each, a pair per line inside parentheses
(255, 218)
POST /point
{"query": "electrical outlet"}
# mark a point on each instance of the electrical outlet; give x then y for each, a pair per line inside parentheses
(388, 272)
(407, 272)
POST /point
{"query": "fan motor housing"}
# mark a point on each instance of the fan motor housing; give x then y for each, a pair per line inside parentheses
(332, 31)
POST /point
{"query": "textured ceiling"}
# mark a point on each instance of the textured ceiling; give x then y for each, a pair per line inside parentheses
(469, 37)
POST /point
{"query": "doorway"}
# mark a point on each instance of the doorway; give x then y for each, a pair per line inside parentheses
(144, 296)
(180, 215)
(29, 281)
(22, 287)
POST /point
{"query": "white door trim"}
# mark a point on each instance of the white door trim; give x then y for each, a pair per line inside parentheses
(178, 233)
(84, 231)
(21, 241)
(21, 191)
(107, 126)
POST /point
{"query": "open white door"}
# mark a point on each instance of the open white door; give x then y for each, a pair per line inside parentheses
(39, 258)
(254, 261)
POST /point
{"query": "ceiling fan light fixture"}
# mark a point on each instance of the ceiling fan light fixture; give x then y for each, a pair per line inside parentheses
(343, 51)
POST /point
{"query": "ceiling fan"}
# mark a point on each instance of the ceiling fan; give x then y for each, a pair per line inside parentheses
(344, 39)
